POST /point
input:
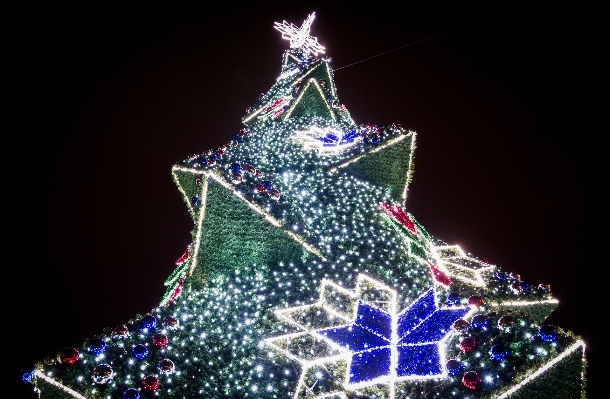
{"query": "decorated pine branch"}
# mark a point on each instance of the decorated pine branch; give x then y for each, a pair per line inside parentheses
(308, 278)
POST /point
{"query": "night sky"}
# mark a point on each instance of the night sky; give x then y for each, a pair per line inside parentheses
(108, 98)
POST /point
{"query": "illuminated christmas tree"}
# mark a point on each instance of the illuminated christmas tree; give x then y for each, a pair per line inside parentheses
(308, 278)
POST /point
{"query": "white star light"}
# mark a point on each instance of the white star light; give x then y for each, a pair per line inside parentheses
(299, 37)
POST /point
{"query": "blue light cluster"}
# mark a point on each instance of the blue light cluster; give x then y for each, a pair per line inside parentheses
(97, 346)
(331, 139)
(419, 328)
(140, 351)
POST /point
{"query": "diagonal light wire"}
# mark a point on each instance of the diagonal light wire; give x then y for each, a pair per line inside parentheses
(410, 44)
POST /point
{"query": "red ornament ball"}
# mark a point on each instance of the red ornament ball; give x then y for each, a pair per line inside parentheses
(166, 366)
(506, 321)
(119, 332)
(198, 179)
(102, 374)
(69, 356)
(460, 325)
(150, 383)
(475, 300)
(170, 322)
(258, 188)
(516, 288)
(236, 178)
(274, 194)
(467, 344)
(159, 340)
(471, 380)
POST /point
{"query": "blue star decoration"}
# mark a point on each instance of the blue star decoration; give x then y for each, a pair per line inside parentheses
(377, 343)
(409, 345)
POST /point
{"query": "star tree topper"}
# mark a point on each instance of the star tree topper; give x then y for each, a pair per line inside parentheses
(299, 37)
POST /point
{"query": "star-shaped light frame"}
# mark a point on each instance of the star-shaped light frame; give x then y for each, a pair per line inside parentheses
(378, 344)
(299, 37)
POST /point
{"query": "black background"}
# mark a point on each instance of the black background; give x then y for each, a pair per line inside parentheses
(105, 99)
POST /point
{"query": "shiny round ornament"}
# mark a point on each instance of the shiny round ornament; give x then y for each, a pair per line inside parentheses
(140, 351)
(220, 152)
(250, 169)
(524, 286)
(514, 276)
(236, 178)
(198, 179)
(166, 366)
(516, 288)
(501, 276)
(506, 321)
(267, 184)
(27, 375)
(453, 367)
(211, 161)
(498, 352)
(195, 201)
(131, 393)
(170, 322)
(259, 173)
(453, 298)
(148, 323)
(475, 300)
(479, 322)
(235, 167)
(258, 188)
(119, 332)
(160, 340)
(243, 131)
(471, 380)
(97, 346)
(544, 287)
(274, 194)
(150, 383)
(467, 344)
(203, 161)
(69, 356)
(547, 333)
(460, 325)
(102, 374)
(237, 138)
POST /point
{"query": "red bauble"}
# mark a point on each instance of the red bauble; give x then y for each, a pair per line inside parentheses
(460, 325)
(160, 340)
(150, 383)
(258, 188)
(274, 194)
(467, 344)
(119, 332)
(166, 366)
(102, 374)
(474, 300)
(170, 322)
(471, 380)
(506, 321)
(70, 356)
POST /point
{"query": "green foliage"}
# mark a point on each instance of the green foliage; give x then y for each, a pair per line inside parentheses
(387, 168)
